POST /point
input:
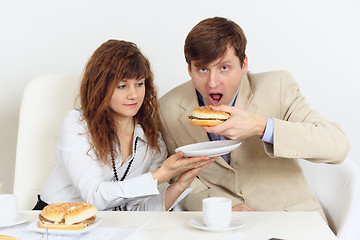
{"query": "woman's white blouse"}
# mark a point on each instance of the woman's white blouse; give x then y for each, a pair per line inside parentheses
(78, 176)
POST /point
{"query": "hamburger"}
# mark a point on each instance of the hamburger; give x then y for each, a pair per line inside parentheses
(67, 216)
(205, 116)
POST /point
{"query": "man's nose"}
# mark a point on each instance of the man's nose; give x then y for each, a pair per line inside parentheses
(213, 79)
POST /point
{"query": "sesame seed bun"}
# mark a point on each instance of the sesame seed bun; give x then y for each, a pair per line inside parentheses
(67, 216)
(205, 116)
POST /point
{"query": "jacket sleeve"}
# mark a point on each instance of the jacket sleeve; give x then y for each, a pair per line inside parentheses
(301, 132)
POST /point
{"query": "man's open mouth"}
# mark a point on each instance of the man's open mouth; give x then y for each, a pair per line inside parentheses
(215, 98)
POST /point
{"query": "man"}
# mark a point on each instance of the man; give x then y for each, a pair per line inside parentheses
(268, 114)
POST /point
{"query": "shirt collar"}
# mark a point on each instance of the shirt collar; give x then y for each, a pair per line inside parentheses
(139, 132)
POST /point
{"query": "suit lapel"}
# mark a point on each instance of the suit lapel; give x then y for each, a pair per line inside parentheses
(245, 93)
(243, 101)
(187, 104)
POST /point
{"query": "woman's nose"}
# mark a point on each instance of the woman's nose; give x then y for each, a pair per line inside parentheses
(132, 94)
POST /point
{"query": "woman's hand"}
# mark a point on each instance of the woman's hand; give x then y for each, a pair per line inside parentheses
(186, 178)
(183, 182)
(176, 165)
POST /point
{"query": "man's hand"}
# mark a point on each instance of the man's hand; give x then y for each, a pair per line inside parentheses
(242, 207)
(241, 124)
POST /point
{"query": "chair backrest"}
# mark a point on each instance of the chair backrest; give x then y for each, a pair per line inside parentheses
(337, 187)
(45, 102)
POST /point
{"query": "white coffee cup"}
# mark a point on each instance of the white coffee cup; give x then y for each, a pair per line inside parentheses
(216, 212)
(8, 208)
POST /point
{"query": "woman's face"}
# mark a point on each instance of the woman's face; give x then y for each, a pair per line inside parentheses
(128, 97)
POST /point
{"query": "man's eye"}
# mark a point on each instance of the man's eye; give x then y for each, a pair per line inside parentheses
(224, 68)
(202, 70)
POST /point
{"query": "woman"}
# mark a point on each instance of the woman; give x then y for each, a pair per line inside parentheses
(110, 152)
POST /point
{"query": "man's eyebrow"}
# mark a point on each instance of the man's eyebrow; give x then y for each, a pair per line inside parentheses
(222, 62)
(219, 62)
(225, 61)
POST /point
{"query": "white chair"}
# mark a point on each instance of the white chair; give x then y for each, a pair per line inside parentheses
(45, 102)
(337, 187)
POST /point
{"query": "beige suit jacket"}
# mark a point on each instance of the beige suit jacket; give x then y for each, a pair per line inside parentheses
(266, 177)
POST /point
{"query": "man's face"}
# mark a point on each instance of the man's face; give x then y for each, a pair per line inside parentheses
(219, 81)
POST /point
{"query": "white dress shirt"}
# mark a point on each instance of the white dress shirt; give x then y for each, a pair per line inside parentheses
(78, 176)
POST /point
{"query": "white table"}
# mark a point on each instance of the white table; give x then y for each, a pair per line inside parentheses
(258, 225)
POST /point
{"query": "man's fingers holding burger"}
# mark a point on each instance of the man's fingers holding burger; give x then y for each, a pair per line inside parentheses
(223, 108)
(221, 129)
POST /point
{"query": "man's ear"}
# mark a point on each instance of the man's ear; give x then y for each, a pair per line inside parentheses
(189, 69)
(245, 66)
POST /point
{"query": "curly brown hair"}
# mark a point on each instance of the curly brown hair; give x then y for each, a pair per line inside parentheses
(113, 61)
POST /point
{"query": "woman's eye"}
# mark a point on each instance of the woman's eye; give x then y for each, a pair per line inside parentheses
(140, 84)
(121, 86)
(202, 70)
(224, 68)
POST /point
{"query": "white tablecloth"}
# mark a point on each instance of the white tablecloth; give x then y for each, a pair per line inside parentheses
(175, 225)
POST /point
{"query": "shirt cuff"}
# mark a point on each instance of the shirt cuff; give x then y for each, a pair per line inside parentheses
(269, 131)
(139, 186)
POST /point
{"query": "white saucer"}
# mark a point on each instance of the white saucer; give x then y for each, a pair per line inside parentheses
(35, 228)
(198, 223)
(21, 218)
(211, 148)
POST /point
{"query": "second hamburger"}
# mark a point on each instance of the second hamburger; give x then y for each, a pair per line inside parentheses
(67, 216)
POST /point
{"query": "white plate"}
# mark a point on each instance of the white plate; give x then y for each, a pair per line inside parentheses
(199, 224)
(211, 148)
(35, 228)
(21, 218)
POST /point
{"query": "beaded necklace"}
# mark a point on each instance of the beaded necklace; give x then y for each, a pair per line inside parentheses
(127, 169)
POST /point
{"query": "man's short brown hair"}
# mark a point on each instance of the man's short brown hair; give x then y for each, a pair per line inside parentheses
(210, 38)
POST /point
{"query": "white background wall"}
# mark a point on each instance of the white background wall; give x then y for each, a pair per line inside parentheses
(317, 41)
